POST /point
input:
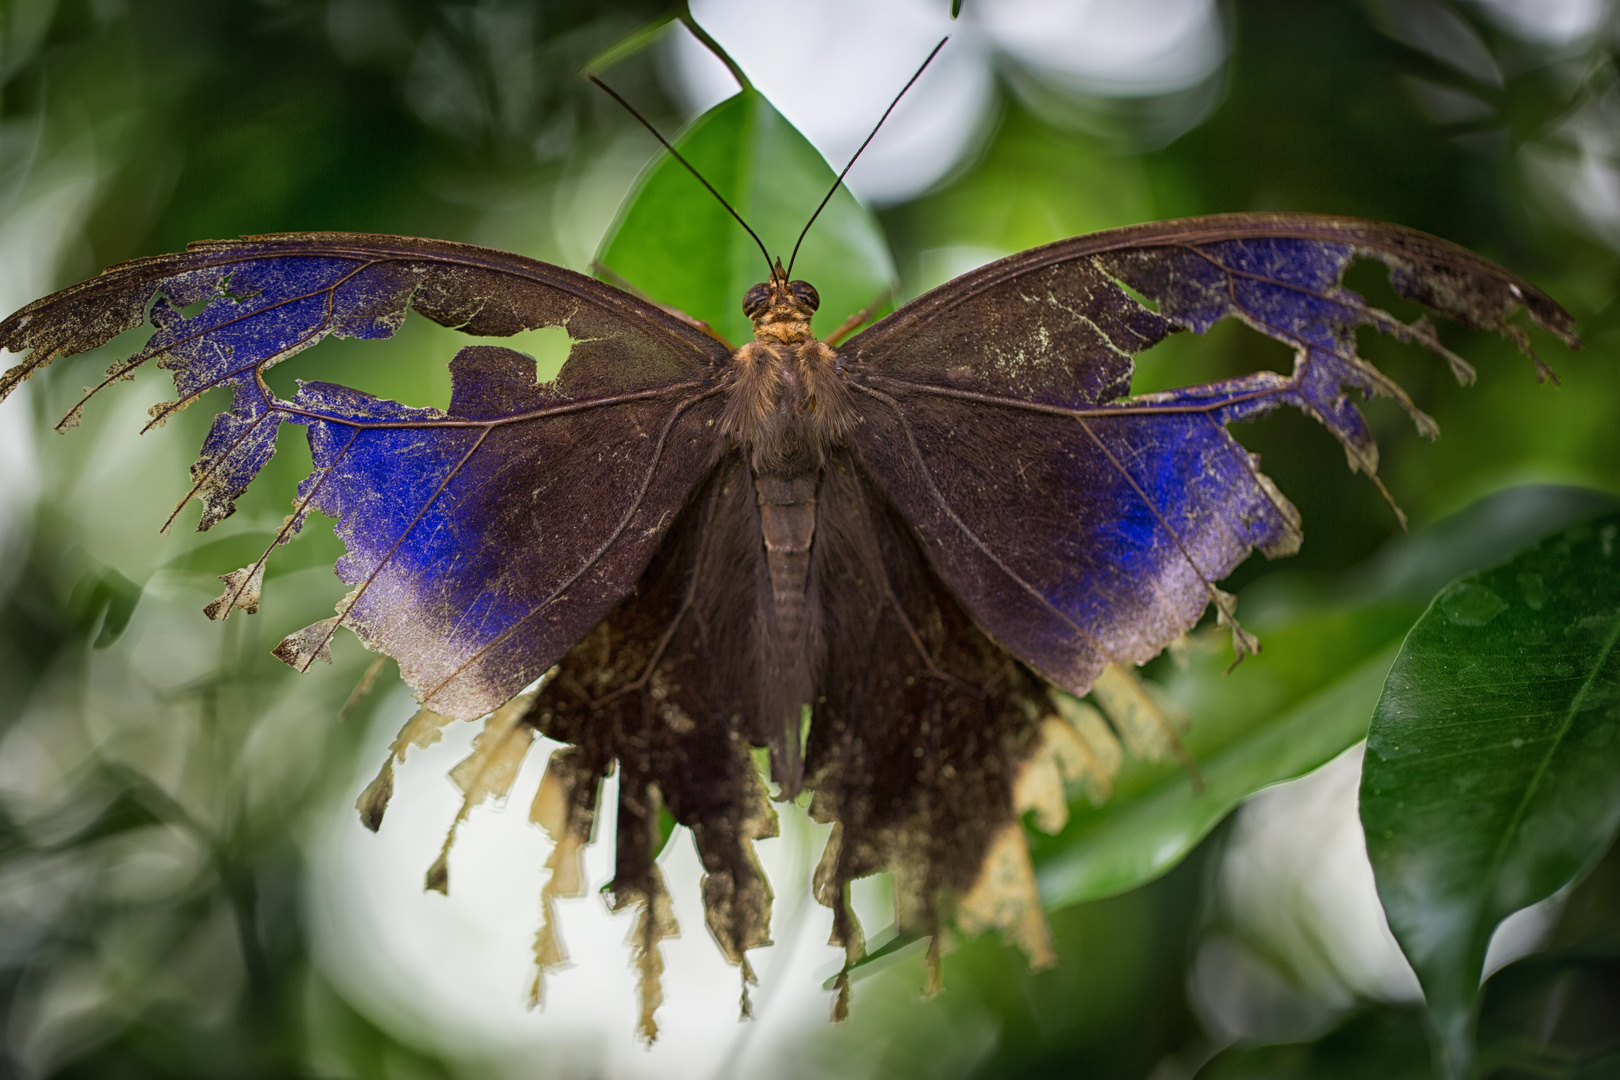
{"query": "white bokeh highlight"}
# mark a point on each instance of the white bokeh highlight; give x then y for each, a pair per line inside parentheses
(1295, 885)
(1550, 22)
(1110, 47)
(850, 57)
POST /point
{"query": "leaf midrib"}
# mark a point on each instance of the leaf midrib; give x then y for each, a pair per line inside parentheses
(1512, 830)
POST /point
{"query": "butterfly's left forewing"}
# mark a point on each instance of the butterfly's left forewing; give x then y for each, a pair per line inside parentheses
(1082, 527)
(482, 541)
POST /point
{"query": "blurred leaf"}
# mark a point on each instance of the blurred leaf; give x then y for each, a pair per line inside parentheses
(1032, 185)
(1385, 1042)
(125, 812)
(632, 43)
(1279, 715)
(1490, 778)
(664, 243)
(244, 547)
(106, 599)
(1552, 1013)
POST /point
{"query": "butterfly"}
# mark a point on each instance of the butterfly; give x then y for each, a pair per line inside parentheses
(883, 561)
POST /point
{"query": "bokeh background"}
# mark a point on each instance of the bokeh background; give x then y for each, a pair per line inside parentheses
(184, 888)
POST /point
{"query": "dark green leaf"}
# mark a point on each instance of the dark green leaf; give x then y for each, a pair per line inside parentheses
(664, 243)
(1493, 759)
(1384, 1042)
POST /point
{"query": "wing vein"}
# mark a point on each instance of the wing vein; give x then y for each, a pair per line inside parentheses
(973, 538)
(462, 422)
(1066, 411)
(595, 557)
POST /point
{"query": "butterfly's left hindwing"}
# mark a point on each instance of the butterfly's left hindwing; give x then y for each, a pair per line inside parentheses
(482, 542)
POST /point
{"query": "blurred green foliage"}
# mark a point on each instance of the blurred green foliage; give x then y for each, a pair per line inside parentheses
(160, 777)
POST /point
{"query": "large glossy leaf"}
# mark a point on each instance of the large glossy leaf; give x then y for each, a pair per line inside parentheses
(1492, 775)
(664, 243)
(1304, 699)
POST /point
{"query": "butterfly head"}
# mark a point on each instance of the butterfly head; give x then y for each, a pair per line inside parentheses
(781, 309)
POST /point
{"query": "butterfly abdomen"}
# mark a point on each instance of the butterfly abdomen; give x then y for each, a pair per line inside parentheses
(787, 512)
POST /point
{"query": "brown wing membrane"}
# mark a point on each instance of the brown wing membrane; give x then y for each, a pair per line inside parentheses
(921, 730)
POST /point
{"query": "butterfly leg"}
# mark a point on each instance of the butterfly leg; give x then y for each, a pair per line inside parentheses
(859, 319)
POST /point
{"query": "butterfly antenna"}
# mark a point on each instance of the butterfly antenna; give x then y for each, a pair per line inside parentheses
(676, 154)
(859, 151)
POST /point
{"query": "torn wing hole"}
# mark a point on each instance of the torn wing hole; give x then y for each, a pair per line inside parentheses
(411, 367)
(71, 380)
(1368, 277)
(187, 311)
(549, 345)
(1127, 288)
(1227, 350)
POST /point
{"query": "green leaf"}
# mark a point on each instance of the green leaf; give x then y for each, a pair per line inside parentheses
(1492, 775)
(1032, 185)
(1381, 1041)
(676, 244)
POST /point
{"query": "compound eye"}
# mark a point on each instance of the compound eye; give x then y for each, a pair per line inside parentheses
(805, 293)
(757, 301)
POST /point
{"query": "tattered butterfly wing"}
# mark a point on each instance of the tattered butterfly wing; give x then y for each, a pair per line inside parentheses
(1082, 527)
(482, 542)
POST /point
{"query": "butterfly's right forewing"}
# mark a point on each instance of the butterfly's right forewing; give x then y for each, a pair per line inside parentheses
(481, 542)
